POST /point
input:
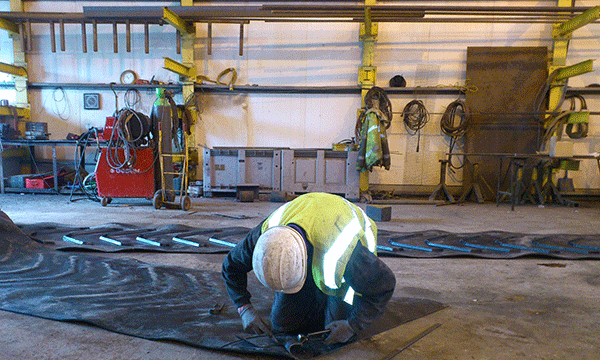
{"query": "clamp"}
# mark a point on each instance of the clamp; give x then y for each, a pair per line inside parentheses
(319, 335)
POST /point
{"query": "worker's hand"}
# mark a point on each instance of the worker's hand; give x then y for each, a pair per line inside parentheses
(341, 332)
(253, 322)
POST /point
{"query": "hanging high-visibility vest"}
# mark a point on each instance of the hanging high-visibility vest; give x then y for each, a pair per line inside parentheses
(334, 226)
(374, 149)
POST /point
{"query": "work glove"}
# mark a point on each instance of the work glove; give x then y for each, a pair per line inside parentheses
(253, 322)
(341, 332)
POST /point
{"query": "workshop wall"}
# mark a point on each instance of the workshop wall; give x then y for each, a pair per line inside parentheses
(295, 54)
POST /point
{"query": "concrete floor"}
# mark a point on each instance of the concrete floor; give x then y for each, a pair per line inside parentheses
(533, 308)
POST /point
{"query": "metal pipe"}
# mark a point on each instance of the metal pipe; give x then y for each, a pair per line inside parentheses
(146, 38)
(22, 36)
(95, 34)
(115, 38)
(61, 29)
(52, 37)
(83, 37)
(210, 13)
(28, 31)
(178, 41)
(76, 86)
(350, 90)
(241, 51)
(128, 34)
(429, 8)
(209, 38)
(222, 242)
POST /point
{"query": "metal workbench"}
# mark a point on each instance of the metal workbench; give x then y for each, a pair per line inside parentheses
(32, 143)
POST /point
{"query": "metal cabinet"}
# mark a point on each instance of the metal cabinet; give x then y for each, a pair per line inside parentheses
(290, 170)
(308, 170)
(225, 168)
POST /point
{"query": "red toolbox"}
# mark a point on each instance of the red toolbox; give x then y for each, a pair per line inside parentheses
(39, 183)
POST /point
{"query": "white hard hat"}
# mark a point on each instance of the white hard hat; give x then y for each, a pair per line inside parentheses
(279, 259)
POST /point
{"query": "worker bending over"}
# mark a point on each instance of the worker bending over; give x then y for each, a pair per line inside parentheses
(318, 252)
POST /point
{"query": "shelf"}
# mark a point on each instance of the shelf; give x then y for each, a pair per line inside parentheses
(114, 86)
(354, 90)
(264, 89)
(8, 111)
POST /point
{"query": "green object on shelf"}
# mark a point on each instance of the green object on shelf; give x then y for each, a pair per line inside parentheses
(569, 165)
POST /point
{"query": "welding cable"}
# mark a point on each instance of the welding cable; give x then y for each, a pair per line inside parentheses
(89, 187)
(415, 117)
(558, 121)
(192, 102)
(231, 81)
(122, 138)
(116, 98)
(82, 143)
(542, 95)
(456, 109)
(132, 98)
(65, 112)
(384, 104)
(555, 126)
(174, 115)
(581, 130)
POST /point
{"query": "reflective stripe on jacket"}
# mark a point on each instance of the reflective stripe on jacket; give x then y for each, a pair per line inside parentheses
(333, 226)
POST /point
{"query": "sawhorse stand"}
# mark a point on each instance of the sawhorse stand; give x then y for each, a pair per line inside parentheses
(441, 187)
(474, 188)
(517, 187)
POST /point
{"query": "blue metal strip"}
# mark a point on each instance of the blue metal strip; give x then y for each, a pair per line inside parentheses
(112, 241)
(412, 247)
(185, 242)
(73, 240)
(560, 248)
(222, 242)
(485, 247)
(146, 241)
(590, 248)
(526, 248)
(385, 248)
(449, 247)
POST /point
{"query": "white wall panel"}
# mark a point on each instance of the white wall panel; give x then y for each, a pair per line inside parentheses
(295, 54)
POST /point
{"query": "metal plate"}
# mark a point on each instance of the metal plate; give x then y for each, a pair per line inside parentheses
(508, 80)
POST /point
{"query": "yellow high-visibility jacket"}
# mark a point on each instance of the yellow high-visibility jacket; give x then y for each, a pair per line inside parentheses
(334, 226)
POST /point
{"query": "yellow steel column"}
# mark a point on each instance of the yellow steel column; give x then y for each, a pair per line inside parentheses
(187, 57)
(367, 73)
(21, 98)
(560, 46)
(561, 35)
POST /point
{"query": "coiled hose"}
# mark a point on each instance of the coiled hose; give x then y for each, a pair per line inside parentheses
(456, 109)
(130, 131)
(557, 121)
(578, 130)
(384, 105)
(87, 185)
(415, 117)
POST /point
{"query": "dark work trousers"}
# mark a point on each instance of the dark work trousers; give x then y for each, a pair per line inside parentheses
(308, 310)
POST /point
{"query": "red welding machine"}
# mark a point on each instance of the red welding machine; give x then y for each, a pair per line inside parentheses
(124, 171)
